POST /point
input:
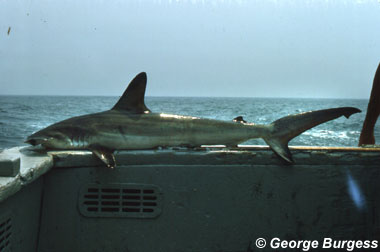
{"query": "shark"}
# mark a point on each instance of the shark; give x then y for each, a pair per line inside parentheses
(130, 125)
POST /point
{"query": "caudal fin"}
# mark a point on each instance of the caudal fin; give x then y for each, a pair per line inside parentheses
(286, 128)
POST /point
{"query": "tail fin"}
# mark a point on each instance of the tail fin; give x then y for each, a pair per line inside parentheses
(286, 128)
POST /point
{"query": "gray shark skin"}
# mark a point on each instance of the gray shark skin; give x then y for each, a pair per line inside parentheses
(131, 125)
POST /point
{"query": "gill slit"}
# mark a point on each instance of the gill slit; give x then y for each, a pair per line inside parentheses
(72, 140)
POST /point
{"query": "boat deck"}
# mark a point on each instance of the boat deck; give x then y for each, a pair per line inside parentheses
(205, 199)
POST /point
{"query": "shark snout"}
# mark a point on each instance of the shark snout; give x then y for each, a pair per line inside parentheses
(35, 140)
(31, 142)
(49, 138)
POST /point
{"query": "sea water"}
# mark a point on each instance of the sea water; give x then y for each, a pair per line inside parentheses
(20, 116)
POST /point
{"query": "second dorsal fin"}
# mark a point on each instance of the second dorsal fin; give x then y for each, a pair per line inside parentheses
(239, 119)
(132, 99)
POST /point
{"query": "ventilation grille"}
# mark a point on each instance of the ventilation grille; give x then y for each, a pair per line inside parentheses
(120, 200)
(5, 234)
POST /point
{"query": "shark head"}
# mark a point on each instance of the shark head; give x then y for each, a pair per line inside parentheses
(50, 137)
(72, 134)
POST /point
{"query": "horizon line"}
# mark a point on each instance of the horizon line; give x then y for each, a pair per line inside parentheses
(173, 96)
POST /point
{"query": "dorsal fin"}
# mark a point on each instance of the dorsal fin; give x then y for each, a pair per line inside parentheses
(239, 119)
(132, 99)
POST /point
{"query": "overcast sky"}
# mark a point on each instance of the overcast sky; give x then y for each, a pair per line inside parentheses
(268, 48)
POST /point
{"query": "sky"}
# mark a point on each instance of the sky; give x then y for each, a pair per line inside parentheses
(227, 48)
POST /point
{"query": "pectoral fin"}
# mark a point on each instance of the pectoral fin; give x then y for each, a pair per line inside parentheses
(105, 155)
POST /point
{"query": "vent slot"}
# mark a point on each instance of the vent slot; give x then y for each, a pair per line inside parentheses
(120, 200)
(5, 233)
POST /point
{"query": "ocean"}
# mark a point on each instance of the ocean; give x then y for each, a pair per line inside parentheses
(20, 116)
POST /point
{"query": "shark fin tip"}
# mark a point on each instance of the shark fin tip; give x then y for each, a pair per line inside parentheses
(281, 149)
(132, 99)
(351, 111)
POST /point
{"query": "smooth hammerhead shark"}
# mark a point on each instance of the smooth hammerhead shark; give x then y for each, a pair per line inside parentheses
(131, 125)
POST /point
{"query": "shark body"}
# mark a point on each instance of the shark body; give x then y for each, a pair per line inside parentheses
(131, 125)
